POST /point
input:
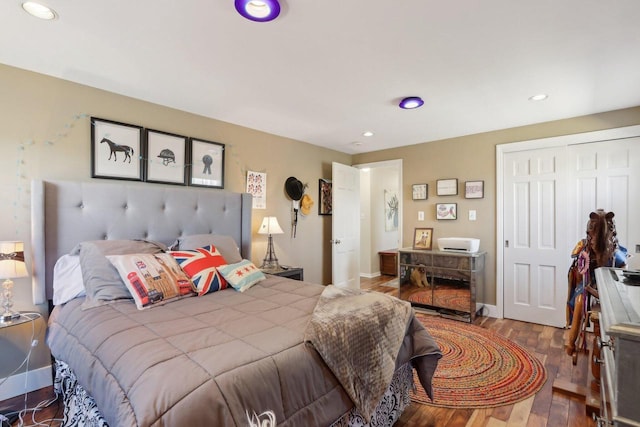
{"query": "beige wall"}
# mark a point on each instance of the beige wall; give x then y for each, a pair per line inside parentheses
(472, 158)
(45, 134)
(35, 109)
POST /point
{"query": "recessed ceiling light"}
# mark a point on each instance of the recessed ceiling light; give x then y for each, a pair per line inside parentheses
(539, 97)
(39, 10)
(258, 10)
(367, 133)
(411, 102)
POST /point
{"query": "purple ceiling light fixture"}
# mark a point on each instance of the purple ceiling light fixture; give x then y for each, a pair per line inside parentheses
(258, 10)
(411, 102)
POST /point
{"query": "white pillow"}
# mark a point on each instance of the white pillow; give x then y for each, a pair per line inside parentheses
(67, 279)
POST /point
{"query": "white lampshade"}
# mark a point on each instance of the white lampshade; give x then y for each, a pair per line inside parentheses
(12, 260)
(270, 226)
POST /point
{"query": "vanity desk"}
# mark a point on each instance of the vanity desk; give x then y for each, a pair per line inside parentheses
(620, 344)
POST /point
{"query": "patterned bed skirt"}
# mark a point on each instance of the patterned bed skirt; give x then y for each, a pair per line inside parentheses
(391, 406)
(79, 407)
(81, 410)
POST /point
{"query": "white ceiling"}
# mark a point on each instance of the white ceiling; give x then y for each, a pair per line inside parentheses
(327, 70)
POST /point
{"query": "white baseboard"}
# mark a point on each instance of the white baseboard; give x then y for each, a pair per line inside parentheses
(370, 275)
(35, 380)
(490, 311)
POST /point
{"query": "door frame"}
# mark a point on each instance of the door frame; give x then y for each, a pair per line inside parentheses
(397, 163)
(534, 144)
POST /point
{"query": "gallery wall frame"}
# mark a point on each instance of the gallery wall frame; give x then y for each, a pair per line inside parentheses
(423, 238)
(419, 191)
(206, 161)
(391, 212)
(116, 150)
(474, 189)
(324, 197)
(257, 187)
(166, 157)
(447, 187)
(446, 211)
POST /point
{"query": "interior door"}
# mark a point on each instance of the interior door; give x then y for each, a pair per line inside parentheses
(536, 253)
(345, 238)
(606, 175)
(578, 177)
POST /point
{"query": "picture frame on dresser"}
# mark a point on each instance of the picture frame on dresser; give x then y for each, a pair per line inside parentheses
(206, 163)
(447, 187)
(423, 238)
(166, 159)
(116, 150)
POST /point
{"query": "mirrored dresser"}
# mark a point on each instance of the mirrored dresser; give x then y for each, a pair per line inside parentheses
(619, 292)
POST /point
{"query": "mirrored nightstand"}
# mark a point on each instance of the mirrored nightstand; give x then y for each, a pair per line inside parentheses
(22, 319)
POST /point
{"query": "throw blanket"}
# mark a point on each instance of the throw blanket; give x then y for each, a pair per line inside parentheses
(369, 328)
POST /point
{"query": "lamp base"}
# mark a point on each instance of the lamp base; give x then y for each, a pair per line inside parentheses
(7, 302)
(8, 317)
(270, 261)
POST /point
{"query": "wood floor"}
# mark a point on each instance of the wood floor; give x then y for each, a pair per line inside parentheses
(546, 408)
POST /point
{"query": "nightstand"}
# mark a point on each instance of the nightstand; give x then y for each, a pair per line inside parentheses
(295, 273)
(22, 319)
(389, 262)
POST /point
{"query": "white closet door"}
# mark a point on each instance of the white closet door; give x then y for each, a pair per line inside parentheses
(548, 195)
(535, 248)
(606, 175)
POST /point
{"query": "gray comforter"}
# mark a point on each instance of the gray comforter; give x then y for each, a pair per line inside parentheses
(217, 359)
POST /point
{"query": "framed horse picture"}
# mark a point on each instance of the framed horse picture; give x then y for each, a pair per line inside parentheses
(116, 150)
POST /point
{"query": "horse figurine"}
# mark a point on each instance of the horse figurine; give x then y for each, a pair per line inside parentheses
(599, 249)
(128, 151)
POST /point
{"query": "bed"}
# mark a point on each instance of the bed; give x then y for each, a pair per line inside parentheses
(228, 358)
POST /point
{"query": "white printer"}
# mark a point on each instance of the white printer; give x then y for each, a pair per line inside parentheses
(459, 244)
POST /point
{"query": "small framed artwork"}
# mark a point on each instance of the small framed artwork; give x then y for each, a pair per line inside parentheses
(257, 187)
(206, 160)
(474, 189)
(116, 150)
(446, 211)
(166, 157)
(324, 207)
(420, 191)
(423, 238)
(447, 187)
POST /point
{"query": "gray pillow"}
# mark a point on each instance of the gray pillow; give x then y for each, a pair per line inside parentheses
(102, 282)
(226, 245)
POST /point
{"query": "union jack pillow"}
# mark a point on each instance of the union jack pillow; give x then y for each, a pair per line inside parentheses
(201, 266)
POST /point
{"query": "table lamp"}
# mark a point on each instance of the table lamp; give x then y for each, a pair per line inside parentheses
(270, 226)
(11, 266)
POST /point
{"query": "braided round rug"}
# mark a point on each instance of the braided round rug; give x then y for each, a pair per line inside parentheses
(479, 368)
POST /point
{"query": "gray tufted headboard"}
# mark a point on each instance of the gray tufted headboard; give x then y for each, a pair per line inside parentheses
(66, 213)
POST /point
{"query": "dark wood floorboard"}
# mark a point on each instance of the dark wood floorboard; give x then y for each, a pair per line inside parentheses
(545, 409)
